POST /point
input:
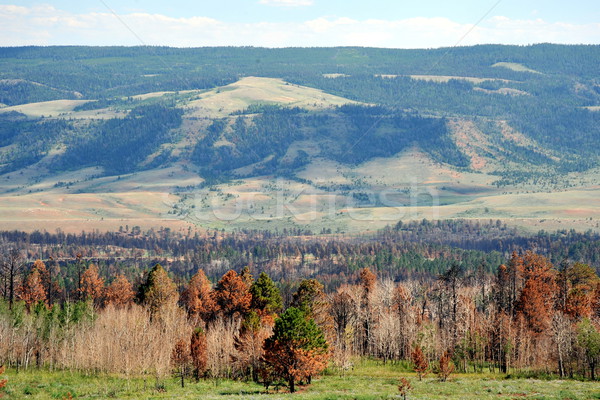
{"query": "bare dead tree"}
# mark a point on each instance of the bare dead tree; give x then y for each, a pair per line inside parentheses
(12, 267)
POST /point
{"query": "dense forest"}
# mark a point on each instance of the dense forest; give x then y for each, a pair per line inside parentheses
(381, 133)
(405, 250)
(28, 140)
(119, 145)
(133, 70)
(278, 318)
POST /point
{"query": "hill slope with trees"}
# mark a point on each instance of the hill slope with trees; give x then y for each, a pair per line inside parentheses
(485, 120)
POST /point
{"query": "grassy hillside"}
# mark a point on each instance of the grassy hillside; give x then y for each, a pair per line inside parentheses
(345, 137)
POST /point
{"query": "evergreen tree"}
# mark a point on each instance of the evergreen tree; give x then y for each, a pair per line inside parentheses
(588, 339)
(265, 295)
(297, 350)
(158, 291)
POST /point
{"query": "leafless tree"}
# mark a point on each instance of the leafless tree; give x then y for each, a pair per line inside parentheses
(12, 266)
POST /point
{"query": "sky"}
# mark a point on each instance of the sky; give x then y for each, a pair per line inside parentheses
(305, 23)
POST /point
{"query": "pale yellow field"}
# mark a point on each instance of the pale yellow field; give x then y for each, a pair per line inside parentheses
(253, 90)
(515, 67)
(151, 95)
(78, 212)
(409, 187)
(267, 203)
(336, 75)
(63, 109)
(46, 108)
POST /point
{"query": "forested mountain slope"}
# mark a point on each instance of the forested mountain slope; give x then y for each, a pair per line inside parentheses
(338, 138)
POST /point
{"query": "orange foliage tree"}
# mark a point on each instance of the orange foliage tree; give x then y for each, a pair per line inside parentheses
(181, 358)
(420, 363)
(445, 366)
(50, 286)
(119, 293)
(197, 297)
(32, 290)
(536, 301)
(404, 387)
(91, 286)
(2, 381)
(595, 303)
(232, 295)
(198, 352)
(367, 282)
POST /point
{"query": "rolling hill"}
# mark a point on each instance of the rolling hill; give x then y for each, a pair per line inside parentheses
(339, 139)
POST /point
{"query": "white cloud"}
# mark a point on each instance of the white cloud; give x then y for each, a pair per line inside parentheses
(47, 25)
(12, 10)
(321, 25)
(287, 3)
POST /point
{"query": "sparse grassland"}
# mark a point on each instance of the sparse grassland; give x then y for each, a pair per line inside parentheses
(367, 380)
(255, 90)
(63, 109)
(515, 67)
(343, 198)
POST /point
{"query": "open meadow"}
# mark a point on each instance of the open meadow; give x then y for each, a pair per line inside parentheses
(367, 380)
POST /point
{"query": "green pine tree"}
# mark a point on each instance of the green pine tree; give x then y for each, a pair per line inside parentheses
(265, 295)
(297, 350)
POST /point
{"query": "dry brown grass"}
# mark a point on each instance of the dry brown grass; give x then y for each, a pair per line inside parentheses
(255, 90)
(118, 340)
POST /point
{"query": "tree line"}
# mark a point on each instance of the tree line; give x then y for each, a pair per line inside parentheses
(530, 316)
(415, 250)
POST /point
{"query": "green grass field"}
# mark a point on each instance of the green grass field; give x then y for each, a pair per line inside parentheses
(367, 380)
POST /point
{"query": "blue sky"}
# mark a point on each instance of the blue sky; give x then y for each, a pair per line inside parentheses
(277, 23)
